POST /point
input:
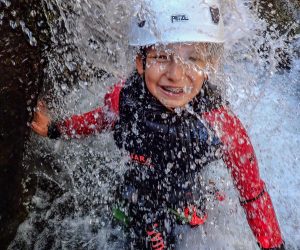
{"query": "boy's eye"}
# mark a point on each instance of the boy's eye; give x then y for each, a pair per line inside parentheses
(194, 59)
(161, 58)
(164, 57)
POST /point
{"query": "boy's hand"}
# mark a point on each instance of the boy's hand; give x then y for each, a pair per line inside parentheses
(41, 119)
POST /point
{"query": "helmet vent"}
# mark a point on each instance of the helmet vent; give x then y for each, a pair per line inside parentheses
(215, 14)
(141, 24)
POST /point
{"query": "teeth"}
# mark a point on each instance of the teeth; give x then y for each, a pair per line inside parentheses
(173, 90)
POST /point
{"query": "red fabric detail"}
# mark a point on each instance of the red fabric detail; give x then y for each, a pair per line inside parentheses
(141, 159)
(156, 238)
(194, 219)
(95, 120)
(240, 158)
(220, 196)
(186, 212)
(262, 220)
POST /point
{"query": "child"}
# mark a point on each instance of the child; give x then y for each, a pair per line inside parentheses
(172, 123)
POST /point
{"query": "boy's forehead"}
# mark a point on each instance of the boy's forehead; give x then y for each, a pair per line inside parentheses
(177, 47)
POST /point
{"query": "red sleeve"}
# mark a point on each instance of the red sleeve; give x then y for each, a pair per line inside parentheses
(240, 158)
(95, 120)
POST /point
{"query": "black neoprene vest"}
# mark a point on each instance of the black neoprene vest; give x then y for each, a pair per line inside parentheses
(178, 144)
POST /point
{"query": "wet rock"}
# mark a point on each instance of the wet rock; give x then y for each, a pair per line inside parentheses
(282, 18)
(24, 37)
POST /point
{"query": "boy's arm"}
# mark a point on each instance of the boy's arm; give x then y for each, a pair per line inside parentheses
(90, 122)
(239, 156)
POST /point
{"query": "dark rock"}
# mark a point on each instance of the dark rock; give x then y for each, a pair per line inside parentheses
(281, 17)
(24, 37)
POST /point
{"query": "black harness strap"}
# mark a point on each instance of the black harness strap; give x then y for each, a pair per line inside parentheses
(253, 199)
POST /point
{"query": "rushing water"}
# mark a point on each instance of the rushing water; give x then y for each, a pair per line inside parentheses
(75, 179)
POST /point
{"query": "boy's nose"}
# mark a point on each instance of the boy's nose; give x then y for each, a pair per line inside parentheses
(175, 70)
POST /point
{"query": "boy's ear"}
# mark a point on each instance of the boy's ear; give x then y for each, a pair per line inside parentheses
(139, 64)
(205, 77)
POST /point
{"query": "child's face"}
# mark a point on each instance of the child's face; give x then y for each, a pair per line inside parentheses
(174, 74)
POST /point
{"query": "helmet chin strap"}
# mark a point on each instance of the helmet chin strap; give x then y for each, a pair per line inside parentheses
(144, 57)
(143, 54)
(144, 61)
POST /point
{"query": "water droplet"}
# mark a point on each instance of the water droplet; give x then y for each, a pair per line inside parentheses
(6, 2)
(13, 24)
(187, 89)
(63, 87)
(241, 141)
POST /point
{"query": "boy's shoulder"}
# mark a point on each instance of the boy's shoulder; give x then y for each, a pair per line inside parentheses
(210, 98)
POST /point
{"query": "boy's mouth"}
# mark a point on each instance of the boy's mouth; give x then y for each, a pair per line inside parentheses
(172, 90)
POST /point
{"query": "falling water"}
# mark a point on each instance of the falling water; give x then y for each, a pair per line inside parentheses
(75, 179)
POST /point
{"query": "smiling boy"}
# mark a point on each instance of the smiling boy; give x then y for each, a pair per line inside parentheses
(173, 123)
(174, 74)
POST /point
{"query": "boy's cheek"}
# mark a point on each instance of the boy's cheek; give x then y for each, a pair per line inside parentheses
(162, 68)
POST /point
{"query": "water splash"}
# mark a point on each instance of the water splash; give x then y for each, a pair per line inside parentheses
(76, 179)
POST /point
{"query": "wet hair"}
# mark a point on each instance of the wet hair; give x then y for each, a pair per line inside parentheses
(212, 51)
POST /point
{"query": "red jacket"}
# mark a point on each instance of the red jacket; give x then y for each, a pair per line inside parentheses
(239, 158)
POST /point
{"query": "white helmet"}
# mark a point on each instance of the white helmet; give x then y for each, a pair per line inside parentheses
(171, 21)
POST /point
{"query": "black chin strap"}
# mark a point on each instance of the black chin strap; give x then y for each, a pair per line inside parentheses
(144, 59)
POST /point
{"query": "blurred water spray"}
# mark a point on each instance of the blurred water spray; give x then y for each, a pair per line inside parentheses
(76, 179)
